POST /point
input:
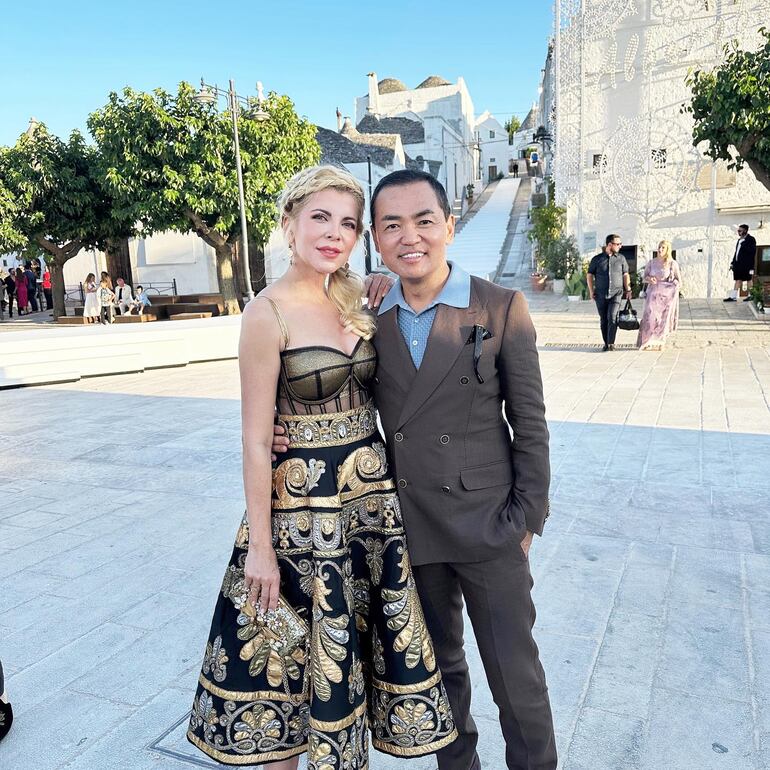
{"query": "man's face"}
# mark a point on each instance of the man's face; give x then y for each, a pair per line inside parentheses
(614, 246)
(410, 230)
(121, 282)
(742, 231)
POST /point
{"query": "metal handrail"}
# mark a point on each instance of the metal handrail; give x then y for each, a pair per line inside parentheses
(74, 293)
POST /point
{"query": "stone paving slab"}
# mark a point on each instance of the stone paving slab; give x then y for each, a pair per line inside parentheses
(651, 582)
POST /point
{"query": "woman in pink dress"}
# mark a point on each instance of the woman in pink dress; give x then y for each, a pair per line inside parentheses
(22, 296)
(662, 280)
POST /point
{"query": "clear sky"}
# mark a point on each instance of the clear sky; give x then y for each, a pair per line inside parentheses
(59, 60)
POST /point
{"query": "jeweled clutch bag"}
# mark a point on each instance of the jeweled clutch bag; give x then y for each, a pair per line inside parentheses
(284, 623)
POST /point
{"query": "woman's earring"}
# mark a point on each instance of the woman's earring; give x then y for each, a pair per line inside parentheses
(291, 255)
(347, 270)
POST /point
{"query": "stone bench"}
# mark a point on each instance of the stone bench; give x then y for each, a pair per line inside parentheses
(188, 316)
(135, 319)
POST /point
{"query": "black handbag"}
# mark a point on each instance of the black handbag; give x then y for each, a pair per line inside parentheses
(627, 319)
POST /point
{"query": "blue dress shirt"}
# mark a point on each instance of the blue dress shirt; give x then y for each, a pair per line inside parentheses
(415, 327)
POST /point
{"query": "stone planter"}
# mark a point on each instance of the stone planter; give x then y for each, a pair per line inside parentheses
(538, 281)
(558, 285)
(574, 298)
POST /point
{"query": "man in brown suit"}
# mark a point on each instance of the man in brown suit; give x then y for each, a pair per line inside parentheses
(458, 370)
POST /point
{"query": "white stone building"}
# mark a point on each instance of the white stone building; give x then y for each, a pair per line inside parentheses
(493, 145)
(437, 125)
(624, 159)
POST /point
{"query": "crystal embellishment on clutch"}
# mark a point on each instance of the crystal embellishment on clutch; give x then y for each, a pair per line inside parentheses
(284, 624)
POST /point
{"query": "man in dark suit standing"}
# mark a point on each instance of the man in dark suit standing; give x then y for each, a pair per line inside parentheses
(458, 371)
(742, 266)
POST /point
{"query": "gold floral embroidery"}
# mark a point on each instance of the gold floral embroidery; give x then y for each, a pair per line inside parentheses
(411, 718)
(404, 614)
(364, 464)
(355, 680)
(296, 477)
(374, 550)
(215, 659)
(258, 723)
(361, 601)
(329, 647)
(378, 652)
(320, 753)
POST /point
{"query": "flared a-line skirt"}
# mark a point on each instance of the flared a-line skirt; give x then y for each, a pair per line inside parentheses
(347, 652)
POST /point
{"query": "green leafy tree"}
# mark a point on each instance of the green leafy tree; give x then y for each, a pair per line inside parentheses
(54, 199)
(512, 126)
(729, 107)
(170, 163)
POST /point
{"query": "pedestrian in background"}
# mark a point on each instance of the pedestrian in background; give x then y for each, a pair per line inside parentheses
(6, 712)
(47, 290)
(91, 309)
(141, 301)
(31, 281)
(106, 300)
(742, 266)
(662, 281)
(609, 282)
(10, 291)
(22, 296)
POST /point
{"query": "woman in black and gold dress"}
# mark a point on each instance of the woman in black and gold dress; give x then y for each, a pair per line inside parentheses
(318, 636)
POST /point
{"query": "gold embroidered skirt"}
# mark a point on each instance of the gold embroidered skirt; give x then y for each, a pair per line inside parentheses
(347, 652)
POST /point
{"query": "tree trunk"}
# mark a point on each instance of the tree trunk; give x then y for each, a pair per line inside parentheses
(119, 260)
(57, 288)
(257, 265)
(227, 284)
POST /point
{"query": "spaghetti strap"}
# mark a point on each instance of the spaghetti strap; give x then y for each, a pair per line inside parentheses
(281, 322)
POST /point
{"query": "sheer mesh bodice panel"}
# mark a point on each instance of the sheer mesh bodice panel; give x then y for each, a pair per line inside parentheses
(320, 380)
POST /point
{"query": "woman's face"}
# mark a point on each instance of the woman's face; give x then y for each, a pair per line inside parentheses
(662, 250)
(323, 232)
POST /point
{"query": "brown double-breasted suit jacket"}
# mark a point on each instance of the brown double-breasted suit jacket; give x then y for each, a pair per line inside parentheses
(470, 458)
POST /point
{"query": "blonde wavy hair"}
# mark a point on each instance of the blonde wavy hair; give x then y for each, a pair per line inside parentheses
(669, 250)
(344, 287)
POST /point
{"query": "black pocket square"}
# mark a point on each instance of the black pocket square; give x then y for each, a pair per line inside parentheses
(472, 336)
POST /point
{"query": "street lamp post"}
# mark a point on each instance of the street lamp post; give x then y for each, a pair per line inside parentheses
(208, 95)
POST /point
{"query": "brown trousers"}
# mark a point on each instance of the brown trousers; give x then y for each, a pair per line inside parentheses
(497, 595)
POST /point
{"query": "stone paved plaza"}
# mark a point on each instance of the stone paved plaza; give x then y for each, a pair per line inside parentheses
(121, 496)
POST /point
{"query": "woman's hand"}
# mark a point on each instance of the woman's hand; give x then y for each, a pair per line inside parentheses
(377, 285)
(262, 576)
(653, 279)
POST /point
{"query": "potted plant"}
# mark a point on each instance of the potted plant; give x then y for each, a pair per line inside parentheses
(469, 190)
(561, 258)
(576, 286)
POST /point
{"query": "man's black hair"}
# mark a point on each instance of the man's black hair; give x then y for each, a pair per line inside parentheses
(610, 238)
(744, 227)
(407, 176)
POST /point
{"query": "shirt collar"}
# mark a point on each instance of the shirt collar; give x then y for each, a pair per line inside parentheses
(456, 293)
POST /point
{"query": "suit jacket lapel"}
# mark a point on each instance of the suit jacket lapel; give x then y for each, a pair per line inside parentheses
(448, 336)
(392, 353)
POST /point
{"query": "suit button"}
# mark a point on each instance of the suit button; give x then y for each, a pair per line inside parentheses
(402, 483)
(464, 380)
(444, 439)
(399, 437)
(446, 490)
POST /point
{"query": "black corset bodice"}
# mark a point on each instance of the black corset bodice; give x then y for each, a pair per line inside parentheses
(319, 380)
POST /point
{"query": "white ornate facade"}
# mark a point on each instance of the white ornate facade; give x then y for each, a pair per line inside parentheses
(624, 159)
